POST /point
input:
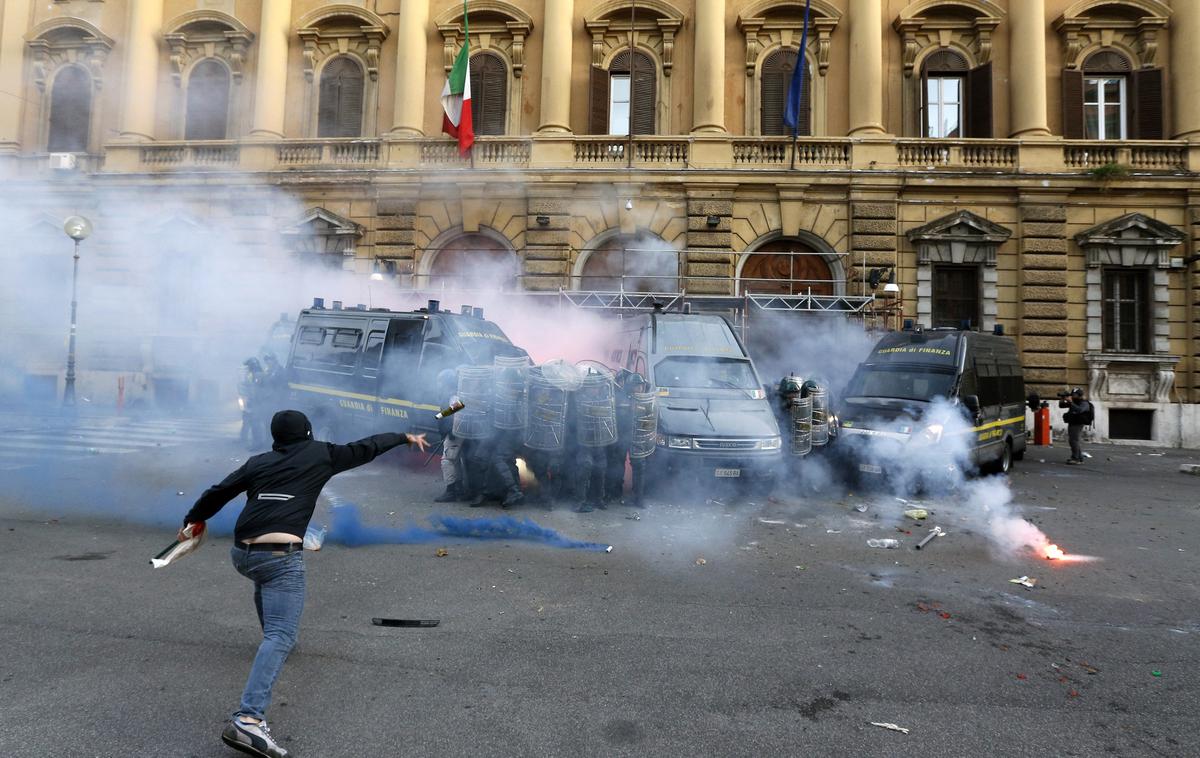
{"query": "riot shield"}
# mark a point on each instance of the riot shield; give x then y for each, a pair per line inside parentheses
(546, 412)
(508, 400)
(474, 422)
(800, 411)
(820, 416)
(645, 424)
(597, 425)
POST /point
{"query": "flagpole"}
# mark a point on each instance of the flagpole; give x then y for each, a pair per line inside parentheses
(801, 70)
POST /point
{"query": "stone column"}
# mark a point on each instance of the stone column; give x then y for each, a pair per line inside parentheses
(14, 18)
(1027, 72)
(412, 46)
(270, 75)
(708, 99)
(866, 67)
(140, 80)
(1185, 64)
(557, 67)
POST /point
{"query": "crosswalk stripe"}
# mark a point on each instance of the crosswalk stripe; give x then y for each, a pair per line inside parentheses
(73, 447)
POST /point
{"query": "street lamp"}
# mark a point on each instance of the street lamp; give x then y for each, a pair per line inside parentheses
(77, 228)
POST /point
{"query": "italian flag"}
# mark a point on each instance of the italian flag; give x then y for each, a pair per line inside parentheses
(456, 95)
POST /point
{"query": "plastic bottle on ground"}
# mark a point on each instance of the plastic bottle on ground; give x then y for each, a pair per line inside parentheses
(886, 543)
(314, 537)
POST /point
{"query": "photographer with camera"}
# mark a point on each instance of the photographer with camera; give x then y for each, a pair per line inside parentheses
(1080, 413)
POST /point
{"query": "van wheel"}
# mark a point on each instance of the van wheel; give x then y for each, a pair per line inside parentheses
(325, 429)
(1004, 465)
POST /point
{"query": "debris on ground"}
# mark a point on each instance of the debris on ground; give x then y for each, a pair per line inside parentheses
(441, 552)
(861, 508)
(889, 726)
(933, 533)
(714, 501)
(771, 521)
(1022, 677)
(1024, 581)
(179, 493)
(833, 531)
(633, 517)
(700, 561)
(917, 514)
(884, 543)
(1190, 468)
(1155, 673)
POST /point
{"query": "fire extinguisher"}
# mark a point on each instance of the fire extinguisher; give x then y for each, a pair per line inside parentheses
(1041, 425)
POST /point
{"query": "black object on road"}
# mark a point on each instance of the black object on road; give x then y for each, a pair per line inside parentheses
(405, 622)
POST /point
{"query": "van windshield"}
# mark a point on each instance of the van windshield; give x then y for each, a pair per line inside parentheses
(693, 372)
(898, 382)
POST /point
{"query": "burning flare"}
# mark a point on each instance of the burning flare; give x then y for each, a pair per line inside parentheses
(1054, 553)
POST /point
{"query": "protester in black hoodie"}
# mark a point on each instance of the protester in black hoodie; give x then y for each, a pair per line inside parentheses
(281, 493)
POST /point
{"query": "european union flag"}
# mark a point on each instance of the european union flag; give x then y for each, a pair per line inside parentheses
(791, 111)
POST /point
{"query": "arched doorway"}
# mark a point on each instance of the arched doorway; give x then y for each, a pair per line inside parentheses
(474, 262)
(630, 262)
(787, 266)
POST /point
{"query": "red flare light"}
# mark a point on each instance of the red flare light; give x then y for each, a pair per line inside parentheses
(1054, 553)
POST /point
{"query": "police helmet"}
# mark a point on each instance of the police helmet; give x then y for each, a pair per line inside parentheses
(789, 385)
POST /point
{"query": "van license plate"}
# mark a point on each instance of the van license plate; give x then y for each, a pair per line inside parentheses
(728, 473)
(870, 468)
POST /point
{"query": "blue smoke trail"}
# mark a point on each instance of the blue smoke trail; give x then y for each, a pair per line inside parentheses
(347, 528)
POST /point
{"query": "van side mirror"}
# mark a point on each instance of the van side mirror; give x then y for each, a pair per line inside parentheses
(972, 403)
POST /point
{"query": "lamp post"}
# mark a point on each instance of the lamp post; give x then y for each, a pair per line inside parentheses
(77, 228)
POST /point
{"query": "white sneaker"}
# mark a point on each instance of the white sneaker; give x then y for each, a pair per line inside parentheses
(254, 739)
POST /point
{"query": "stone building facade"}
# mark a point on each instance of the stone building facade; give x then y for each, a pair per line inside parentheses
(1030, 164)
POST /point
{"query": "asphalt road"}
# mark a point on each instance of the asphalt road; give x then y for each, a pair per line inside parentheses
(721, 628)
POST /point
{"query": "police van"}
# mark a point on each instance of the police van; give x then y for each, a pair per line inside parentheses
(887, 412)
(356, 371)
(713, 416)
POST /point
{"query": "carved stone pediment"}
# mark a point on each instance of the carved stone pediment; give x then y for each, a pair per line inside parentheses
(201, 34)
(338, 29)
(1128, 25)
(322, 231)
(1131, 240)
(63, 41)
(965, 24)
(961, 237)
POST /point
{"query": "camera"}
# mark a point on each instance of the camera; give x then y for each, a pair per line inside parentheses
(1064, 393)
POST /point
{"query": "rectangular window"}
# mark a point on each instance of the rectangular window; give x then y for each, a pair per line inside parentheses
(1104, 108)
(618, 104)
(943, 106)
(1126, 312)
(955, 296)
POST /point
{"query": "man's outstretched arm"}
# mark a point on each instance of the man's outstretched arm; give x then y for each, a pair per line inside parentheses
(346, 457)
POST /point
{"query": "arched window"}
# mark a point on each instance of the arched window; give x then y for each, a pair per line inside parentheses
(207, 101)
(340, 100)
(633, 263)
(943, 98)
(777, 72)
(626, 95)
(786, 267)
(70, 111)
(489, 93)
(1105, 95)
(475, 262)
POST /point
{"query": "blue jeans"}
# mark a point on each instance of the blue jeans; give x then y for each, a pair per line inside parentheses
(279, 600)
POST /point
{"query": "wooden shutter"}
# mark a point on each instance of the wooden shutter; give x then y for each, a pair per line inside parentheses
(776, 73)
(644, 92)
(1072, 103)
(207, 101)
(979, 102)
(340, 99)
(1147, 99)
(70, 111)
(489, 93)
(598, 112)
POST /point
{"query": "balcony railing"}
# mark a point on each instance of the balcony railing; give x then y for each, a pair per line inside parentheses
(777, 152)
(728, 153)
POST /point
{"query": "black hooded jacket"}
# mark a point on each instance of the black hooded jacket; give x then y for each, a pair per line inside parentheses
(282, 486)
